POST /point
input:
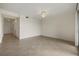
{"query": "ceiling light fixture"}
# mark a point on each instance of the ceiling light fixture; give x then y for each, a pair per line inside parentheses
(44, 13)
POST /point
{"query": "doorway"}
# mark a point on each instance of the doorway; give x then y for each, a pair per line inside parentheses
(11, 26)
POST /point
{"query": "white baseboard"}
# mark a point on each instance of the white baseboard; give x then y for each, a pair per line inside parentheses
(28, 37)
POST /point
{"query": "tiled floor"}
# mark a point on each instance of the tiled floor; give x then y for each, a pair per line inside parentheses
(36, 46)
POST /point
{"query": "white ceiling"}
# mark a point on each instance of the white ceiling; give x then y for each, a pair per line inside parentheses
(34, 8)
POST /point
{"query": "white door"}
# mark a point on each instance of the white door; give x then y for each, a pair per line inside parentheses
(77, 29)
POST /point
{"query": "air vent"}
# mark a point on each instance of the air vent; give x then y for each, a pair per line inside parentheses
(26, 17)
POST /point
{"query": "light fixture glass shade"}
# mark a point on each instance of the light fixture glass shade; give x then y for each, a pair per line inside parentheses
(44, 13)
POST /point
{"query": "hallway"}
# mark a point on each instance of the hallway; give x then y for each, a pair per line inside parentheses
(36, 46)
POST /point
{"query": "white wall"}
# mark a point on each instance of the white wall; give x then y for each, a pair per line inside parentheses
(78, 26)
(16, 27)
(60, 26)
(12, 26)
(1, 29)
(7, 26)
(29, 27)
